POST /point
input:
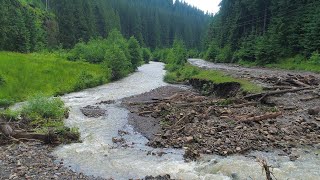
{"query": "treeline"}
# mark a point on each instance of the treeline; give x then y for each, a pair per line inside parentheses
(24, 28)
(117, 55)
(265, 31)
(32, 25)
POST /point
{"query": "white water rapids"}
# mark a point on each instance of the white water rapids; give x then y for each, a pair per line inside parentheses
(98, 156)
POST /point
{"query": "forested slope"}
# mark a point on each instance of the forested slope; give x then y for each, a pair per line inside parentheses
(32, 25)
(265, 31)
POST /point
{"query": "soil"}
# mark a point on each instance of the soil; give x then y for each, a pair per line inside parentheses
(148, 125)
(182, 118)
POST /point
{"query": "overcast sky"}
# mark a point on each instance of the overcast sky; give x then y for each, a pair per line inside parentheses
(206, 5)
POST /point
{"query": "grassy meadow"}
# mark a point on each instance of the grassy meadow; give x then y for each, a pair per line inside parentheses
(25, 75)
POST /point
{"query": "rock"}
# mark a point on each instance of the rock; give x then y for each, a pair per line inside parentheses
(93, 111)
(189, 139)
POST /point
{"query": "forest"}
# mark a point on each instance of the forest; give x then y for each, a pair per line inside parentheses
(265, 32)
(31, 25)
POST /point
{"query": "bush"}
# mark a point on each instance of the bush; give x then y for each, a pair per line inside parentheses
(92, 52)
(135, 52)
(315, 58)
(86, 80)
(212, 52)
(5, 103)
(10, 114)
(116, 60)
(225, 54)
(44, 111)
(170, 77)
(146, 55)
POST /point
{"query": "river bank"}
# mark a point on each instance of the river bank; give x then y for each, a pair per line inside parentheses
(111, 148)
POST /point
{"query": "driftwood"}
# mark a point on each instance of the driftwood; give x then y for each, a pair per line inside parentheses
(10, 133)
(270, 93)
(310, 98)
(277, 87)
(299, 83)
(266, 168)
(262, 117)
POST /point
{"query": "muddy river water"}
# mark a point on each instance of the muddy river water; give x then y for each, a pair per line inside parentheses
(97, 155)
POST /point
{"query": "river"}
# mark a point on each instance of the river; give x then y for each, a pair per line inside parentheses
(97, 155)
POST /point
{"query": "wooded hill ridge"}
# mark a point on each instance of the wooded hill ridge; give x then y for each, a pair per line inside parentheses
(33, 25)
(265, 31)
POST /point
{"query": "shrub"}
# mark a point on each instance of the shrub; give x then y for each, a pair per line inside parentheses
(86, 80)
(135, 52)
(315, 58)
(116, 60)
(10, 114)
(5, 103)
(225, 54)
(170, 77)
(212, 52)
(146, 55)
(42, 110)
(92, 52)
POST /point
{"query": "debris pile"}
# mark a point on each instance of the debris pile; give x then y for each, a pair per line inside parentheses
(208, 125)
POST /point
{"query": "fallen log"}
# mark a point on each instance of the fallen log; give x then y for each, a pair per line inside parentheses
(299, 83)
(262, 117)
(270, 93)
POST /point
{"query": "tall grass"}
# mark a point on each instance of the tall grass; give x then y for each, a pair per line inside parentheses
(25, 75)
(186, 72)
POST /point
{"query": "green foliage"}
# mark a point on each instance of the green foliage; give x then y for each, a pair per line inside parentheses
(177, 54)
(193, 53)
(5, 103)
(298, 62)
(225, 54)
(146, 55)
(117, 61)
(187, 72)
(92, 52)
(39, 109)
(2, 80)
(263, 31)
(30, 74)
(315, 58)
(46, 115)
(10, 114)
(135, 52)
(212, 52)
(87, 80)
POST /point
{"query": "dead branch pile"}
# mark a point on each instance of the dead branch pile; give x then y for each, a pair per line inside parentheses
(206, 125)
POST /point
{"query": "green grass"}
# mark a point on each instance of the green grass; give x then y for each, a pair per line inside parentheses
(25, 75)
(298, 62)
(183, 73)
(289, 64)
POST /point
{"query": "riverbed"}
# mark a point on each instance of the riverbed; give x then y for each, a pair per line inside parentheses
(98, 155)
